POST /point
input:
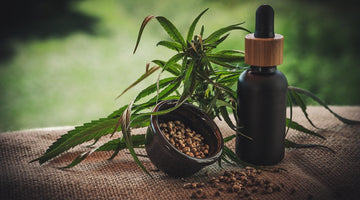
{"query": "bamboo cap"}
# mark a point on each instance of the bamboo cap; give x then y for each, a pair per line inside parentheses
(264, 47)
(264, 51)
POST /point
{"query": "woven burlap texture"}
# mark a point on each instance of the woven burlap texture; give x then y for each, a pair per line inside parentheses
(313, 173)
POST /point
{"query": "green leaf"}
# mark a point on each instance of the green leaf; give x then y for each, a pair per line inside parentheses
(164, 93)
(125, 128)
(117, 113)
(227, 72)
(79, 135)
(173, 69)
(230, 79)
(219, 160)
(224, 158)
(184, 65)
(146, 20)
(78, 159)
(171, 45)
(226, 117)
(230, 52)
(229, 138)
(189, 82)
(291, 144)
(193, 25)
(227, 90)
(161, 112)
(173, 60)
(222, 103)
(147, 73)
(315, 98)
(212, 105)
(171, 30)
(217, 34)
(230, 58)
(296, 126)
(153, 88)
(202, 31)
(112, 145)
(138, 142)
(136, 122)
(216, 43)
(168, 27)
(291, 113)
(223, 64)
(302, 105)
(233, 157)
(139, 121)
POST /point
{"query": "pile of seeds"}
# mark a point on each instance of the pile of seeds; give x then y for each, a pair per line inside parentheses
(245, 183)
(185, 139)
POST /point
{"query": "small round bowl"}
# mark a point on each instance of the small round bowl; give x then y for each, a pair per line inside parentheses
(167, 157)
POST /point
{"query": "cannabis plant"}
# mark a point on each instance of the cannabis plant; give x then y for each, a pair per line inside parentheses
(199, 74)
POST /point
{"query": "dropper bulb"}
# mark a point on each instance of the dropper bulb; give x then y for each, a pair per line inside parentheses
(264, 25)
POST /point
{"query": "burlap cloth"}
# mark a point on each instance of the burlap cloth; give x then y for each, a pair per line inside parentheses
(313, 173)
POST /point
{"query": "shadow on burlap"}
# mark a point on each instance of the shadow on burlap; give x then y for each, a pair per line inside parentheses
(308, 174)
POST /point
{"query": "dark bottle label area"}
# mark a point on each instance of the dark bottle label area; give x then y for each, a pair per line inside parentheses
(262, 115)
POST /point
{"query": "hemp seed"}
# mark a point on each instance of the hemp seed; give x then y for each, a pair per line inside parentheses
(184, 139)
(245, 183)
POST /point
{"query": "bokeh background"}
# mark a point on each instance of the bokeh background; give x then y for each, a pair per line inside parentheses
(63, 62)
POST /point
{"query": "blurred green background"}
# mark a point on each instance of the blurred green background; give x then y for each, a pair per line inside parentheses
(63, 62)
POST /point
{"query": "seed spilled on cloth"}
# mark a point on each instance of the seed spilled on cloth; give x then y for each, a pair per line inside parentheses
(245, 183)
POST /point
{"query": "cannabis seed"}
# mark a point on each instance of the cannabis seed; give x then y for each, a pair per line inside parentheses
(244, 182)
(187, 185)
(292, 191)
(200, 185)
(254, 190)
(194, 195)
(236, 188)
(309, 197)
(215, 185)
(193, 185)
(185, 139)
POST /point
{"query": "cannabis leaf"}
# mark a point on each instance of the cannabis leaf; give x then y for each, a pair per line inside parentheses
(198, 74)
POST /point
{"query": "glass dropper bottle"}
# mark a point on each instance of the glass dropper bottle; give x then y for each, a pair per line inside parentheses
(261, 95)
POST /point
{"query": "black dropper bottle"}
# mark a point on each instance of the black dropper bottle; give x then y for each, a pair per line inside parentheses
(261, 95)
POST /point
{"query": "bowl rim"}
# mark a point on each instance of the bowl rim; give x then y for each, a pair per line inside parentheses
(154, 123)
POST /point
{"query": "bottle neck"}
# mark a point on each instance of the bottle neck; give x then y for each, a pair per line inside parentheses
(263, 70)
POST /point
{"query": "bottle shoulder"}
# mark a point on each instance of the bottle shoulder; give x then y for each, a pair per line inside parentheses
(250, 73)
(251, 76)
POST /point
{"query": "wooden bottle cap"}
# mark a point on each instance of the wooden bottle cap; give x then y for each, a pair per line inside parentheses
(264, 52)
